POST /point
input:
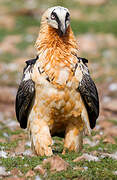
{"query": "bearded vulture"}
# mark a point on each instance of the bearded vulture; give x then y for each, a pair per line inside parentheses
(56, 94)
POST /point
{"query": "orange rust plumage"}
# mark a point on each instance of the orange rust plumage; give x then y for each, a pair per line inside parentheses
(59, 53)
(57, 106)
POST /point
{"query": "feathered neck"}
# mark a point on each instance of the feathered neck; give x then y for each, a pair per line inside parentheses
(55, 46)
(56, 54)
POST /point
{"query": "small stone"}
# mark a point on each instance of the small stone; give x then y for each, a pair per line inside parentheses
(78, 168)
(16, 171)
(113, 87)
(28, 143)
(40, 169)
(88, 157)
(56, 163)
(28, 152)
(30, 173)
(37, 178)
(3, 154)
(85, 168)
(3, 171)
(115, 172)
(109, 140)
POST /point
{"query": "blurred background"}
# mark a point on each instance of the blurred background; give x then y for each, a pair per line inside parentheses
(94, 23)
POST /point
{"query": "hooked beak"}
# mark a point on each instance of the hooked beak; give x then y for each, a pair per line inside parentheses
(62, 29)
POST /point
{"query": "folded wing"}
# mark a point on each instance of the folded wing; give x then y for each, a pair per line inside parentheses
(25, 94)
(88, 93)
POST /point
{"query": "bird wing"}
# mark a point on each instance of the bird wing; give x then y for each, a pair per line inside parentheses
(88, 92)
(25, 94)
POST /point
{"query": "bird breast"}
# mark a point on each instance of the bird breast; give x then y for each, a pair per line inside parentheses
(55, 102)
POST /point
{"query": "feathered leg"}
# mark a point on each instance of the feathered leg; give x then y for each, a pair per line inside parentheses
(40, 138)
(74, 136)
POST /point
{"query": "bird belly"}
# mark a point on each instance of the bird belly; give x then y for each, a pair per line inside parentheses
(56, 107)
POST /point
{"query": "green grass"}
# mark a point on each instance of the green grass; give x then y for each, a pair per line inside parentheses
(99, 170)
(58, 145)
(22, 23)
(79, 27)
(95, 170)
(3, 33)
(8, 131)
(22, 163)
(7, 57)
(103, 169)
(113, 121)
(8, 145)
(94, 26)
(10, 78)
(102, 147)
(23, 45)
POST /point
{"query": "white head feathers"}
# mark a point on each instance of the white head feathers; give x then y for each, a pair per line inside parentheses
(59, 18)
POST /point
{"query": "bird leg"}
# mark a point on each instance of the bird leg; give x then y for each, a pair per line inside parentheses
(74, 136)
(41, 138)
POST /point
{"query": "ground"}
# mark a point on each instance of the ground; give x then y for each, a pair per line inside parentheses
(95, 26)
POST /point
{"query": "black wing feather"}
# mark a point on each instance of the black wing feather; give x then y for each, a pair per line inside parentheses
(24, 97)
(89, 95)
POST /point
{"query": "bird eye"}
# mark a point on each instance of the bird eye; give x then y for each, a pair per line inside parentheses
(67, 16)
(53, 17)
